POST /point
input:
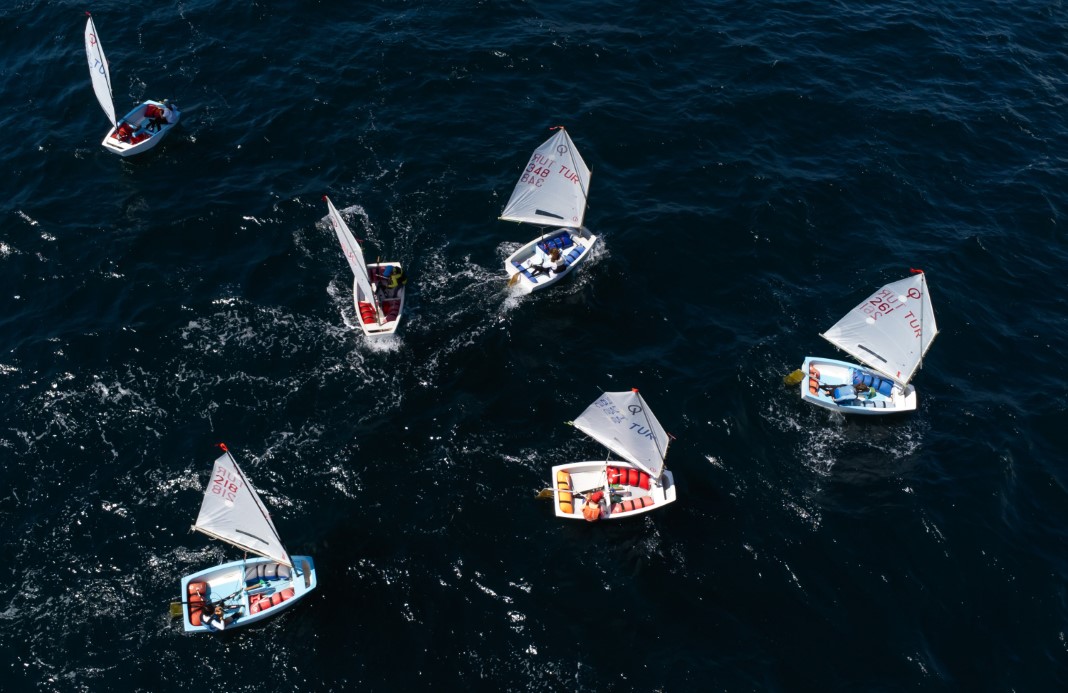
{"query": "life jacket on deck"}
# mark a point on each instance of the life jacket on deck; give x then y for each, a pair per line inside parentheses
(195, 596)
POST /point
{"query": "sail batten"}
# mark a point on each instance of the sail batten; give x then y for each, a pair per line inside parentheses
(623, 423)
(891, 330)
(554, 185)
(233, 512)
(873, 353)
(243, 547)
(98, 70)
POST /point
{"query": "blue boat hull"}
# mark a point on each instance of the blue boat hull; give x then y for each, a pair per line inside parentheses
(249, 591)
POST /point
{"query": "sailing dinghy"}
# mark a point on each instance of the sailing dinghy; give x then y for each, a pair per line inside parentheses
(243, 592)
(377, 289)
(551, 192)
(140, 129)
(623, 423)
(889, 332)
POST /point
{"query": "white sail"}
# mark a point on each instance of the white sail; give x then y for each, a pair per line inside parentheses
(233, 512)
(98, 70)
(552, 189)
(891, 330)
(351, 248)
(623, 423)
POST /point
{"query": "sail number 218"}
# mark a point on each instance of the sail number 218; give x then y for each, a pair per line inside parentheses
(224, 483)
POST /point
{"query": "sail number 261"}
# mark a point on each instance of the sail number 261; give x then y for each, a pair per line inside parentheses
(881, 303)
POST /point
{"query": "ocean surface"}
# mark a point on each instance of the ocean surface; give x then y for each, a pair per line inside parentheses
(758, 169)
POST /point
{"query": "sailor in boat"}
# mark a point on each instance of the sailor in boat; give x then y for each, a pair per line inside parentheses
(838, 393)
(392, 280)
(170, 114)
(153, 116)
(842, 393)
(547, 264)
(592, 510)
(218, 618)
(123, 132)
(158, 117)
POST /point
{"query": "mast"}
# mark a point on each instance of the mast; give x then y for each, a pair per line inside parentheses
(354, 255)
(259, 503)
(574, 167)
(924, 298)
(649, 424)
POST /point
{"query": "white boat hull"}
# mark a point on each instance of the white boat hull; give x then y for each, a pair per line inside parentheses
(386, 318)
(143, 137)
(576, 249)
(269, 596)
(621, 500)
(828, 383)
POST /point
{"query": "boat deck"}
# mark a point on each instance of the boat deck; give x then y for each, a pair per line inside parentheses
(247, 591)
(833, 384)
(623, 490)
(528, 260)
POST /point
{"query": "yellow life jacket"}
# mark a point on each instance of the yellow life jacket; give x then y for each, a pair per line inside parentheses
(395, 278)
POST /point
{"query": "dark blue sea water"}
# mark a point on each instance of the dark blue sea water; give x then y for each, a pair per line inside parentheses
(758, 169)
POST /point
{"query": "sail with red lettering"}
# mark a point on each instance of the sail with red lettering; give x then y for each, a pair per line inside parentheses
(553, 187)
(891, 330)
(233, 512)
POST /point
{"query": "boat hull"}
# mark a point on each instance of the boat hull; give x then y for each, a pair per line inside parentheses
(621, 500)
(576, 249)
(142, 138)
(385, 320)
(232, 579)
(823, 376)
